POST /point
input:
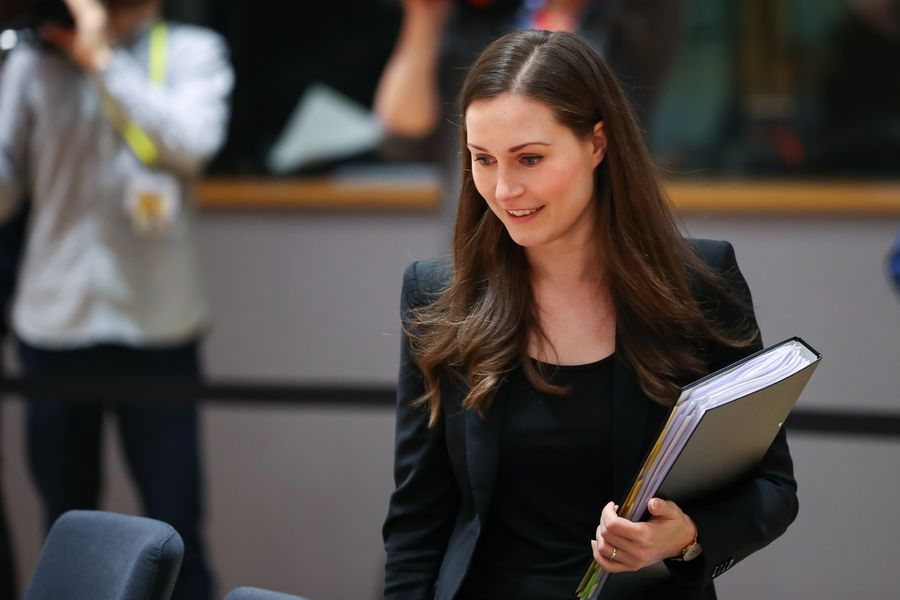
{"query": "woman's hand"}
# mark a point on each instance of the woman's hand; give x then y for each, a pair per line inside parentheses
(625, 546)
(88, 45)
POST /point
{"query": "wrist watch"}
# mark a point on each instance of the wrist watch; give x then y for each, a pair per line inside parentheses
(689, 552)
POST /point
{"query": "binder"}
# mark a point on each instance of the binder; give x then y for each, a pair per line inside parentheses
(718, 430)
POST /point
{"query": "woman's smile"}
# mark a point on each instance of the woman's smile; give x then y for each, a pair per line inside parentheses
(523, 214)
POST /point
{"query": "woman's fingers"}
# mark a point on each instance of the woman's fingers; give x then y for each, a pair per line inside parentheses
(639, 548)
(622, 545)
(617, 541)
(612, 558)
(611, 523)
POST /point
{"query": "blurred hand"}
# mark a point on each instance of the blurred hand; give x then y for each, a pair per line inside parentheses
(407, 99)
(638, 545)
(88, 44)
(560, 15)
(434, 12)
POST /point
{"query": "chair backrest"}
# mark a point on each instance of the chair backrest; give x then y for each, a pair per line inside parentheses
(106, 556)
(251, 593)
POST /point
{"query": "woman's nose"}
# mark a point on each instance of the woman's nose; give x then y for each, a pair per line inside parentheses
(507, 188)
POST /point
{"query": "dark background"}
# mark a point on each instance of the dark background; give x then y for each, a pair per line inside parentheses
(783, 88)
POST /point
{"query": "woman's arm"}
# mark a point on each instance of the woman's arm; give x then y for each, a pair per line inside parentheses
(425, 502)
(732, 524)
(752, 514)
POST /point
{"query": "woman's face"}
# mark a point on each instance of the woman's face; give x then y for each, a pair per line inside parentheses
(536, 175)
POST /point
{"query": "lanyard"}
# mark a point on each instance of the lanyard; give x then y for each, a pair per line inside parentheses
(136, 138)
(158, 52)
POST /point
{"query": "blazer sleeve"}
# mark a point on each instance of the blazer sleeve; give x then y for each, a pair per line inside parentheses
(753, 513)
(425, 502)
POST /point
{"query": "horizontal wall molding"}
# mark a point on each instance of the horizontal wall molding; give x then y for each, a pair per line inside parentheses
(130, 390)
(814, 197)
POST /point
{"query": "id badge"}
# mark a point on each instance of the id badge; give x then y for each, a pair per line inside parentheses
(152, 204)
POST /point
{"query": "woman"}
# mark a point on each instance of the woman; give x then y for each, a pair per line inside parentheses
(538, 366)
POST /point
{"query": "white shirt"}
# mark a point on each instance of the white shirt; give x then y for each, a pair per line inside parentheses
(87, 276)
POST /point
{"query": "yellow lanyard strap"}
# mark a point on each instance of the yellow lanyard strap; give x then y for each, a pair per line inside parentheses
(136, 138)
(158, 52)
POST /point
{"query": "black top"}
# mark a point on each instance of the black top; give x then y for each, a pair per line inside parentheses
(553, 479)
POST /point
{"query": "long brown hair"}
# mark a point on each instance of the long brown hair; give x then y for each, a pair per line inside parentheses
(477, 330)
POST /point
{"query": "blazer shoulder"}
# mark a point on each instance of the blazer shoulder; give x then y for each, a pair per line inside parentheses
(425, 280)
(717, 254)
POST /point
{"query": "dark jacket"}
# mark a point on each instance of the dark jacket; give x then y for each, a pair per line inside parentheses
(444, 476)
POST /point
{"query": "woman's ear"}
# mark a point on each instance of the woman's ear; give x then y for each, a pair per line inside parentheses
(598, 138)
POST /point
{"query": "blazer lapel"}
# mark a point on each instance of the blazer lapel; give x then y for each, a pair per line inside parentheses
(630, 420)
(483, 451)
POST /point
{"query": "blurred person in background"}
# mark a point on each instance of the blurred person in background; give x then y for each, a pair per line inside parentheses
(104, 126)
(439, 39)
(11, 238)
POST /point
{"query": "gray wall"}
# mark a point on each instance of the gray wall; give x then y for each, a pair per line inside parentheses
(296, 495)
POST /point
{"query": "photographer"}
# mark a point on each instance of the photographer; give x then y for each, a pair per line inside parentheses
(104, 127)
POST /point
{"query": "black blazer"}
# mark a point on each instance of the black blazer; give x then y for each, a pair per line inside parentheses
(444, 476)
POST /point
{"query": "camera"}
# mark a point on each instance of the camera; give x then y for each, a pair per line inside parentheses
(34, 13)
(31, 14)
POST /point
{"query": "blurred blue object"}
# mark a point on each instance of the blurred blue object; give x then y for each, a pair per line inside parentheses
(251, 593)
(107, 556)
(894, 263)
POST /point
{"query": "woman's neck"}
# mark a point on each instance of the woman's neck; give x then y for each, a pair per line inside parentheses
(567, 267)
(572, 304)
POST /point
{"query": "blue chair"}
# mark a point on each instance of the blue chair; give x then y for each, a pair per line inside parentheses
(106, 556)
(251, 593)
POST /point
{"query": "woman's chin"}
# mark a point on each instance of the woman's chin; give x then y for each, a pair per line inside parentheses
(526, 241)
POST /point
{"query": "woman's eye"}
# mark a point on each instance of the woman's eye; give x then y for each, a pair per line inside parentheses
(484, 160)
(531, 161)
